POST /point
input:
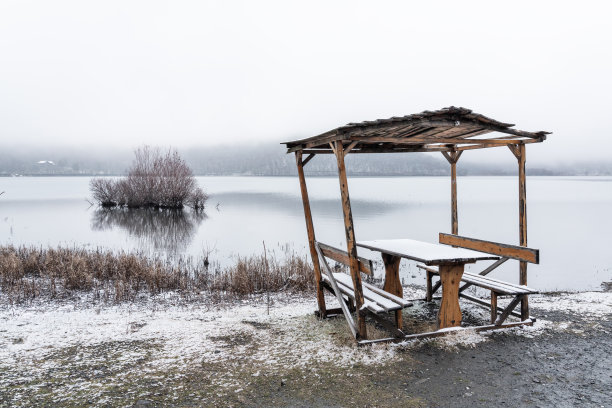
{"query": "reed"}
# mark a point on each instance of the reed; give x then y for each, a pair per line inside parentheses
(30, 272)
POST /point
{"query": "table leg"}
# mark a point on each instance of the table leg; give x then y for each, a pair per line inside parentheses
(392, 282)
(449, 314)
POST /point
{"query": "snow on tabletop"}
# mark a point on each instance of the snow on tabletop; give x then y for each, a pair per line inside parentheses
(423, 251)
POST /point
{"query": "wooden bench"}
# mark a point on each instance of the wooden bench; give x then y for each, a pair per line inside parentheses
(375, 299)
(497, 287)
(377, 302)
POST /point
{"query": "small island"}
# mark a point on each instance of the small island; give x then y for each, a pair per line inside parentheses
(155, 180)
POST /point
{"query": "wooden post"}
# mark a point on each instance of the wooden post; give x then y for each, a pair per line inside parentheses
(519, 152)
(523, 225)
(452, 158)
(493, 307)
(429, 292)
(393, 284)
(350, 239)
(311, 235)
(449, 314)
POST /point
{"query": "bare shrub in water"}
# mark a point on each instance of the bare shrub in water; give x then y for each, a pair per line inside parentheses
(30, 272)
(154, 180)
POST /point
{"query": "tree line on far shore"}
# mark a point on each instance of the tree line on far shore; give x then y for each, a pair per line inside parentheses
(155, 180)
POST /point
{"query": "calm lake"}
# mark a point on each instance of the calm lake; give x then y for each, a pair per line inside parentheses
(568, 219)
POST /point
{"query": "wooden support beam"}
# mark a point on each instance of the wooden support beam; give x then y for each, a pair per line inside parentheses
(338, 255)
(439, 333)
(351, 242)
(348, 148)
(508, 309)
(484, 303)
(447, 141)
(311, 234)
(307, 159)
(514, 151)
(523, 224)
(452, 157)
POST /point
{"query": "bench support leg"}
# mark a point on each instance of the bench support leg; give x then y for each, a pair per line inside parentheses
(493, 307)
(392, 282)
(449, 314)
(502, 317)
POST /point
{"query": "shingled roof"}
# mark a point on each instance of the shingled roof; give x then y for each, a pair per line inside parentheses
(448, 129)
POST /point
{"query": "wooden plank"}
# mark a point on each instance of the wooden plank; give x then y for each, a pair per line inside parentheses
(447, 141)
(311, 234)
(520, 253)
(425, 252)
(338, 255)
(496, 285)
(350, 239)
(470, 146)
(387, 304)
(499, 286)
(399, 300)
(484, 272)
(370, 302)
(338, 293)
(527, 322)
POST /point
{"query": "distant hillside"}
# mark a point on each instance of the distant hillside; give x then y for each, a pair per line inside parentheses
(264, 160)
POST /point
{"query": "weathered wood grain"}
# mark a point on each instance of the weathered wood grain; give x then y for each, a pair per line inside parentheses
(350, 239)
(338, 255)
(505, 250)
(311, 234)
(392, 282)
(449, 314)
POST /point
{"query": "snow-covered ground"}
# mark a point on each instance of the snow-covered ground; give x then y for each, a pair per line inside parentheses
(39, 339)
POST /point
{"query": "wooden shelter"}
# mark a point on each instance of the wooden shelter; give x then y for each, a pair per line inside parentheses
(449, 131)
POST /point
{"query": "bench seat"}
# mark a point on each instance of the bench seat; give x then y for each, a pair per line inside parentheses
(495, 285)
(376, 300)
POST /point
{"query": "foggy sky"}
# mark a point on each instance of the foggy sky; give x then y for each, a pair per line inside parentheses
(205, 73)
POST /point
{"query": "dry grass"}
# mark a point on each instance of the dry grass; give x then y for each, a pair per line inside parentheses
(30, 272)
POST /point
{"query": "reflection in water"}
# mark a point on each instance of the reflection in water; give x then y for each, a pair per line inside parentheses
(170, 231)
(292, 204)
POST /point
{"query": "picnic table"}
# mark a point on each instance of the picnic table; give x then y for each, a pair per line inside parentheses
(450, 261)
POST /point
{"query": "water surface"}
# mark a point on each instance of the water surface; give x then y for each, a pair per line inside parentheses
(568, 219)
